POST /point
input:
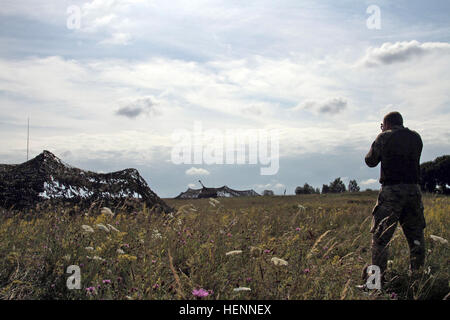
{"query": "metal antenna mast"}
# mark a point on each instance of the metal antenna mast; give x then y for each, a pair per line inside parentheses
(28, 137)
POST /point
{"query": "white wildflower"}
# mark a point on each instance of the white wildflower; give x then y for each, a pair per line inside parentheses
(107, 211)
(89, 248)
(214, 200)
(242, 289)
(120, 251)
(279, 262)
(102, 227)
(87, 228)
(112, 228)
(98, 258)
(156, 234)
(438, 239)
(95, 258)
(234, 252)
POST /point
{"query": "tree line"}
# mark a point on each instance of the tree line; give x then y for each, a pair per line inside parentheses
(336, 186)
(434, 177)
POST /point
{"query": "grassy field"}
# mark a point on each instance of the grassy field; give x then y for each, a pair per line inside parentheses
(324, 239)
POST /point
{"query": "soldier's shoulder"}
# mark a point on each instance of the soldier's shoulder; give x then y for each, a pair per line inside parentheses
(383, 136)
(415, 133)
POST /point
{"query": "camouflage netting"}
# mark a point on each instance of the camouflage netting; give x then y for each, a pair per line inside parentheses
(46, 180)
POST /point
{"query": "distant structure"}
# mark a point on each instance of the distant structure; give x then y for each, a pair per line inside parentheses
(46, 179)
(222, 192)
(268, 193)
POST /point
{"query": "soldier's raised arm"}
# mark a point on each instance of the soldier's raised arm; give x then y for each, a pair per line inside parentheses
(374, 155)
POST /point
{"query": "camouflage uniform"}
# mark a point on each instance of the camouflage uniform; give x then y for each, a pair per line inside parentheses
(400, 199)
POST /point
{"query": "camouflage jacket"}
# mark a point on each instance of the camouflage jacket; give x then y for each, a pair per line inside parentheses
(399, 151)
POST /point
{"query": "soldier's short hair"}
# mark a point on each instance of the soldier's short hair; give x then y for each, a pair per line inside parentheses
(393, 118)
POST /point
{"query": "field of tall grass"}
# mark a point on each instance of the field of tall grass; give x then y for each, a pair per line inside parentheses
(291, 247)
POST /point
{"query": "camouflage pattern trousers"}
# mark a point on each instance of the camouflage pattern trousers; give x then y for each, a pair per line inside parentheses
(398, 203)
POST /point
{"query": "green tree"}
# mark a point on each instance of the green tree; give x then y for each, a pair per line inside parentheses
(435, 174)
(337, 186)
(306, 189)
(353, 186)
(299, 190)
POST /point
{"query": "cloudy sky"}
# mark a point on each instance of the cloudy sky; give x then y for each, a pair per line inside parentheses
(108, 93)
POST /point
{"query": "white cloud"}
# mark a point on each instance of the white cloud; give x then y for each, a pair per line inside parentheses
(197, 172)
(261, 186)
(331, 106)
(272, 185)
(137, 106)
(204, 28)
(118, 38)
(390, 53)
(83, 97)
(369, 181)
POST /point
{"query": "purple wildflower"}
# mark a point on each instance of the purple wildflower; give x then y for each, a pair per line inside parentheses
(90, 290)
(200, 293)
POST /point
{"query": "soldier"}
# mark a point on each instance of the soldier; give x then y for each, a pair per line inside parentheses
(400, 200)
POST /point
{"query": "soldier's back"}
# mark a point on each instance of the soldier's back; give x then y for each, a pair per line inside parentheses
(400, 157)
